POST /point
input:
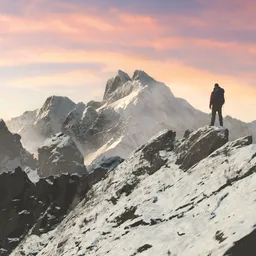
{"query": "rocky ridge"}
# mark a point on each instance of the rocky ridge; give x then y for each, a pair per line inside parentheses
(58, 155)
(196, 200)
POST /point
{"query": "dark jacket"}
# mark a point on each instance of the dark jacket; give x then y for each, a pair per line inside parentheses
(217, 97)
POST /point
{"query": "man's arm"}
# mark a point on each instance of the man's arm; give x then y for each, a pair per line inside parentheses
(210, 105)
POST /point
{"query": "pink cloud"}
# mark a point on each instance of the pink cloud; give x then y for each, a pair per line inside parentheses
(126, 30)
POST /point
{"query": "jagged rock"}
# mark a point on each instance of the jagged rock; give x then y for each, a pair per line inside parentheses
(104, 128)
(79, 122)
(24, 205)
(143, 77)
(106, 164)
(94, 104)
(74, 116)
(152, 150)
(59, 155)
(114, 83)
(199, 145)
(239, 143)
(40, 207)
(12, 153)
(187, 133)
(92, 129)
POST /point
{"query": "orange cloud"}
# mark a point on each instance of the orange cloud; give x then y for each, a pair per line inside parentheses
(187, 82)
(78, 78)
(123, 31)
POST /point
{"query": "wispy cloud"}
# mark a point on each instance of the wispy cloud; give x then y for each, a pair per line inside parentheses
(63, 44)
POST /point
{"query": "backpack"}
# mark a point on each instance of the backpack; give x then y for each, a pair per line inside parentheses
(218, 96)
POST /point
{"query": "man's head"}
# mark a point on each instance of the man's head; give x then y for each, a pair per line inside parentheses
(216, 85)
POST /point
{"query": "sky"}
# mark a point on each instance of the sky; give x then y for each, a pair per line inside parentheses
(72, 47)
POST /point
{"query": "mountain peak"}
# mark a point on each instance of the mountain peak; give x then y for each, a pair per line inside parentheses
(123, 76)
(143, 77)
(115, 83)
(56, 102)
(3, 126)
(55, 98)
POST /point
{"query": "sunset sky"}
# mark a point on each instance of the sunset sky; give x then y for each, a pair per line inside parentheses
(71, 48)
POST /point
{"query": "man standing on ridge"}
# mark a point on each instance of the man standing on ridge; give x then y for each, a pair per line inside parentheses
(216, 102)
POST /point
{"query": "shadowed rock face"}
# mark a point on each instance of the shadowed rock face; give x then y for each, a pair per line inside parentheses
(105, 164)
(10, 143)
(12, 153)
(245, 246)
(60, 155)
(43, 205)
(199, 144)
(24, 204)
(152, 151)
(114, 84)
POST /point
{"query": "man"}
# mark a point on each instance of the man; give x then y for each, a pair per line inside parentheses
(216, 102)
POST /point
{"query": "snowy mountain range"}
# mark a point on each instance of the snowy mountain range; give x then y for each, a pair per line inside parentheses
(156, 184)
(191, 196)
(133, 109)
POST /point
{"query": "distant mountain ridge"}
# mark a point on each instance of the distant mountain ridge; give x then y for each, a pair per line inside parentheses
(133, 109)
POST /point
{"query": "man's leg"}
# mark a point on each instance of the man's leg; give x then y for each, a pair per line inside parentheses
(220, 115)
(213, 115)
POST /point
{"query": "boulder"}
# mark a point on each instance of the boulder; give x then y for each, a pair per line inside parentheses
(59, 155)
(200, 144)
(152, 150)
(105, 164)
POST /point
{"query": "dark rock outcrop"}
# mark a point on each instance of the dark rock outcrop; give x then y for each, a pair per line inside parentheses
(106, 164)
(143, 77)
(94, 104)
(91, 129)
(152, 150)
(59, 155)
(239, 143)
(245, 246)
(12, 153)
(115, 83)
(37, 208)
(199, 145)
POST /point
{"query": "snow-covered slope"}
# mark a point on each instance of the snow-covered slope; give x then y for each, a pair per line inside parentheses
(150, 206)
